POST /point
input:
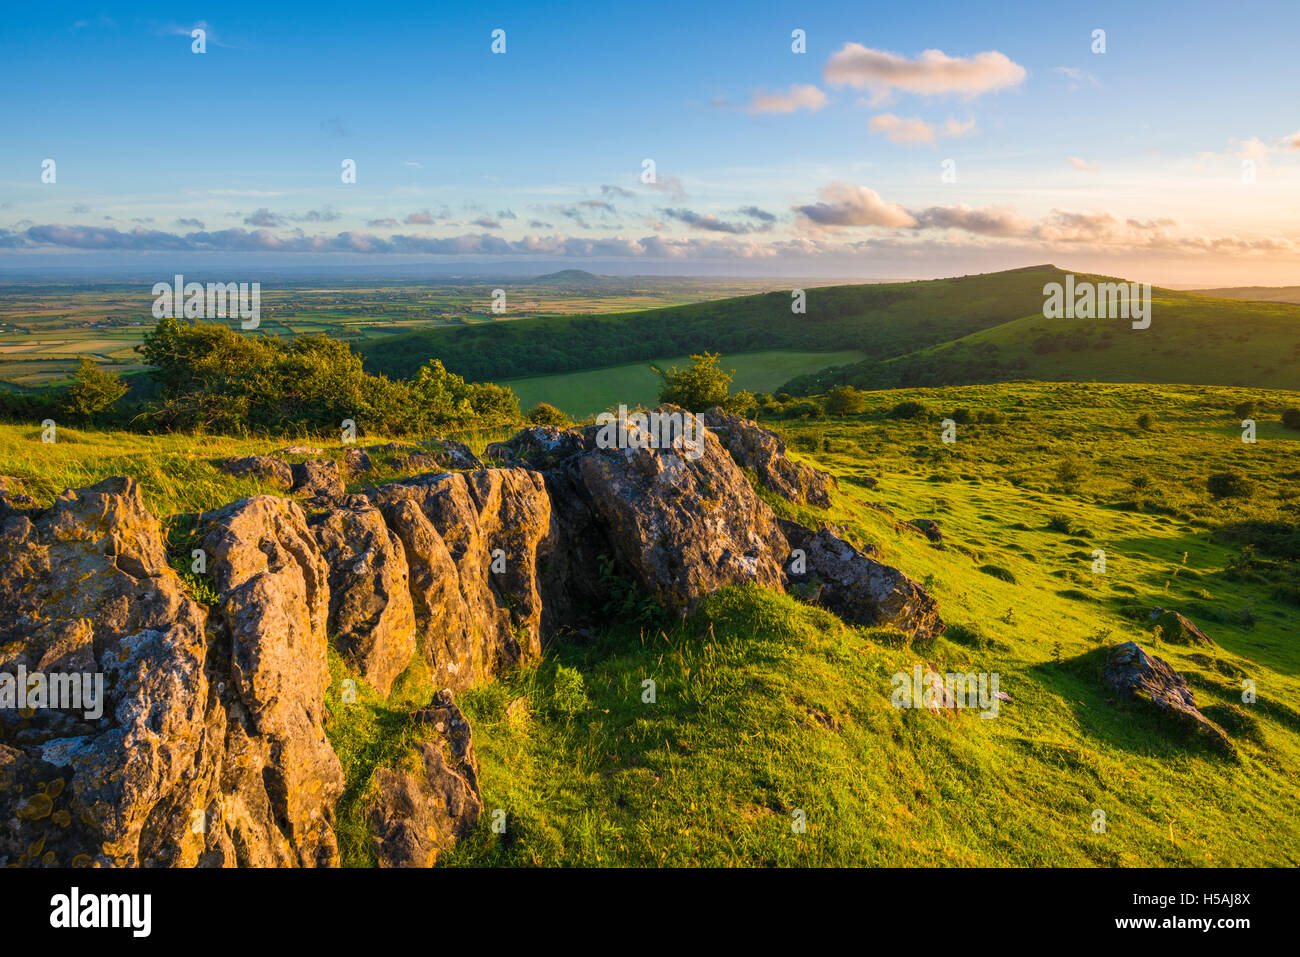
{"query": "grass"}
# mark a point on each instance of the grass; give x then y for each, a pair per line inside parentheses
(765, 707)
(581, 394)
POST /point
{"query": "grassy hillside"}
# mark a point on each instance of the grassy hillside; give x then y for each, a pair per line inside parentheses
(887, 319)
(1192, 338)
(585, 393)
(766, 706)
(1256, 293)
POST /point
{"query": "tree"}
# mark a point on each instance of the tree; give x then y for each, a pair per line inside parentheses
(845, 400)
(698, 387)
(92, 391)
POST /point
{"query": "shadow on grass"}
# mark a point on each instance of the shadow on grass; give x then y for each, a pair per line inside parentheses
(1129, 725)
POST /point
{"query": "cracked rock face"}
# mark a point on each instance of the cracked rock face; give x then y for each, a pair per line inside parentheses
(757, 448)
(473, 542)
(271, 622)
(683, 527)
(370, 612)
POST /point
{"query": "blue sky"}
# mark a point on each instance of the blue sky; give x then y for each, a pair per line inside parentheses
(827, 162)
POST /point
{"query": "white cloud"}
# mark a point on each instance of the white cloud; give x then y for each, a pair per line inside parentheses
(932, 73)
(845, 205)
(1082, 164)
(799, 97)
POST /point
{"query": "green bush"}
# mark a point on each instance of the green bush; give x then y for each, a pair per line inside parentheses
(845, 400)
(546, 414)
(1230, 484)
(908, 410)
(1291, 418)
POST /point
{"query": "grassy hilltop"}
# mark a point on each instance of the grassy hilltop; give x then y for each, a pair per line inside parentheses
(971, 329)
(766, 706)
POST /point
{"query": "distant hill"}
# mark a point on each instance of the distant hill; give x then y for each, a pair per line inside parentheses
(882, 319)
(578, 278)
(1193, 338)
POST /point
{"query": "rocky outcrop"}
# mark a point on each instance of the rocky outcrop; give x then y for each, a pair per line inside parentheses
(1144, 678)
(473, 542)
(210, 748)
(757, 448)
(541, 447)
(318, 479)
(370, 612)
(418, 813)
(271, 623)
(85, 587)
(274, 472)
(857, 588)
(682, 527)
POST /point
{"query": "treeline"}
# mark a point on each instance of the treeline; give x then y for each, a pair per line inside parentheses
(884, 319)
(208, 377)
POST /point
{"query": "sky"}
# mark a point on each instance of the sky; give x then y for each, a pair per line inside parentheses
(904, 141)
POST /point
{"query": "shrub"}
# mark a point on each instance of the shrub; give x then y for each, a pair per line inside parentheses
(845, 400)
(990, 418)
(91, 392)
(569, 694)
(1245, 410)
(962, 416)
(543, 413)
(1145, 421)
(1059, 523)
(803, 409)
(1229, 484)
(698, 387)
(1069, 470)
(908, 410)
(1291, 418)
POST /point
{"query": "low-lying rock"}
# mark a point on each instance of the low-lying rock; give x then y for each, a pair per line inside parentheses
(1142, 677)
(418, 814)
(267, 468)
(541, 447)
(318, 479)
(860, 589)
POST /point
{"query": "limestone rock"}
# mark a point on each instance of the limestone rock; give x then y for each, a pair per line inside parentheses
(473, 541)
(370, 610)
(273, 471)
(417, 814)
(757, 448)
(318, 479)
(860, 589)
(1141, 677)
(271, 623)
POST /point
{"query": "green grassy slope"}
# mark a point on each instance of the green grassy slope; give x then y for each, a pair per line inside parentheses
(1192, 338)
(765, 706)
(886, 319)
